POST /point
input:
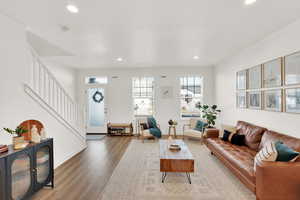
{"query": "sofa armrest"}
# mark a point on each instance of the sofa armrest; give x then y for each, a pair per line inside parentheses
(278, 180)
(211, 133)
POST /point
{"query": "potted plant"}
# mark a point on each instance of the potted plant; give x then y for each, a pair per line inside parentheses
(17, 135)
(209, 113)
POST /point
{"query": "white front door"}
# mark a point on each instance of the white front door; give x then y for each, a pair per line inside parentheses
(96, 109)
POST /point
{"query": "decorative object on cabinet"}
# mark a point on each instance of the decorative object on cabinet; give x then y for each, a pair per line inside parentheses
(241, 83)
(292, 69)
(24, 172)
(255, 76)
(18, 139)
(254, 99)
(3, 148)
(35, 137)
(273, 100)
(43, 134)
(28, 125)
(292, 100)
(272, 73)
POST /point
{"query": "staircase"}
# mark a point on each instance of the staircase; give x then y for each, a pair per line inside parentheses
(50, 95)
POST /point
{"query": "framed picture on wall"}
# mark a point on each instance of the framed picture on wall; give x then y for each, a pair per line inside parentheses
(254, 99)
(241, 80)
(292, 69)
(292, 100)
(254, 74)
(272, 73)
(273, 100)
(241, 100)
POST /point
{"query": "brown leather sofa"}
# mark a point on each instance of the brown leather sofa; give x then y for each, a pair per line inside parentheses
(272, 180)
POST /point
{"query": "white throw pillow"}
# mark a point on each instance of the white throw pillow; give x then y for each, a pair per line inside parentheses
(268, 153)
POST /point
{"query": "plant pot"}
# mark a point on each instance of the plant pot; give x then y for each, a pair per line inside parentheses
(17, 141)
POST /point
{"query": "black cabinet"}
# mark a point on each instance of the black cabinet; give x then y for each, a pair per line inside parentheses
(23, 172)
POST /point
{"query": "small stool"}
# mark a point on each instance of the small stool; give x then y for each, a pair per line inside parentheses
(174, 130)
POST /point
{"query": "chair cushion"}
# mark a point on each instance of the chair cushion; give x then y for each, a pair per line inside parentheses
(253, 134)
(192, 133)
(241, 157)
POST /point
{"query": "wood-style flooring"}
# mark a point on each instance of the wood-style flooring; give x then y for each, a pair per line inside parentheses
(84, 176)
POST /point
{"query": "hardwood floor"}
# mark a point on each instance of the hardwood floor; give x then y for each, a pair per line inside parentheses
(85, 175)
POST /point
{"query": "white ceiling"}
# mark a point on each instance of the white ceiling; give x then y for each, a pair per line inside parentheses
(151, 32)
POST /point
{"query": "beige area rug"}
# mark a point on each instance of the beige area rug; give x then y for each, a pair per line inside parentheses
(137, 177)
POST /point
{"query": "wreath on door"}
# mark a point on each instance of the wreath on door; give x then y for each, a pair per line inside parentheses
(98, 97)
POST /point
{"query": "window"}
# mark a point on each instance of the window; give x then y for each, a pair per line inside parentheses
(96, 80)
(143, 95)
(191, 93)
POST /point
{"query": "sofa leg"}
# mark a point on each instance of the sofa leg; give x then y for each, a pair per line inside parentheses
(211, 153)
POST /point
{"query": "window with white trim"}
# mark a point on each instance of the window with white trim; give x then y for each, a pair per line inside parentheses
(143, 96)
(191, 94)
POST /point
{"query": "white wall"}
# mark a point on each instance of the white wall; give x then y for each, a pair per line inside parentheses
(15, 105)
(119, 93)
(280, 43)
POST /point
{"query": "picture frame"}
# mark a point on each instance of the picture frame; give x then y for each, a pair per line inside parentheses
(292, 100)
(292, 69)
(241, 99)
(272, 73)
(254, 100)
(254, 77)
(273, 100)
(166, 92)
(241, 80)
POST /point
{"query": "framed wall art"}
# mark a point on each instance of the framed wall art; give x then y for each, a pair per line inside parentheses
(241, 78)
(254, 100)
(241, 100)
(292, 69)
(292, 100)
(254, 79)
(273, 100)
(272, 73)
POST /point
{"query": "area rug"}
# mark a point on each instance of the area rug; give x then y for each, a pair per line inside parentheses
(137, 177)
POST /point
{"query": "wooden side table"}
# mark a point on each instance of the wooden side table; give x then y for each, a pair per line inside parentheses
(172, 127)
(209, 131)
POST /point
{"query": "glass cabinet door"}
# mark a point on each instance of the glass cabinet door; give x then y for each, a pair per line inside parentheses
(20, 176)
(42, 164)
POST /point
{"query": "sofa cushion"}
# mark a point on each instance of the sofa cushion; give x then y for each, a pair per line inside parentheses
(268, 153)
(241, 157)
(285, 154)
(272, 136)
(253, 134)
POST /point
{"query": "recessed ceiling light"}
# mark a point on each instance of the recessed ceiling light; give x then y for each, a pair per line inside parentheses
(72, 8)
(120, 59)
(249, 2)
(196, 57)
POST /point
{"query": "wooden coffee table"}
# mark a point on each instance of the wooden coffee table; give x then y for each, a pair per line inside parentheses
(175, 161)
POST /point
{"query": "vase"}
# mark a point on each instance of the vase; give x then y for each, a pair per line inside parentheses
(35, 137)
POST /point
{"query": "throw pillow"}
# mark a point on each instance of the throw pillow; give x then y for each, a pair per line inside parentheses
(226, 135)
(285, 154)
(237, 139)
(268, 153)
(151, 122)
(200, 125)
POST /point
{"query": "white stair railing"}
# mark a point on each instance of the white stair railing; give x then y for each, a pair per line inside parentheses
(44, 87)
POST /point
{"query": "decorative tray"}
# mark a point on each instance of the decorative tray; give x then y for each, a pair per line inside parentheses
(174, 147)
